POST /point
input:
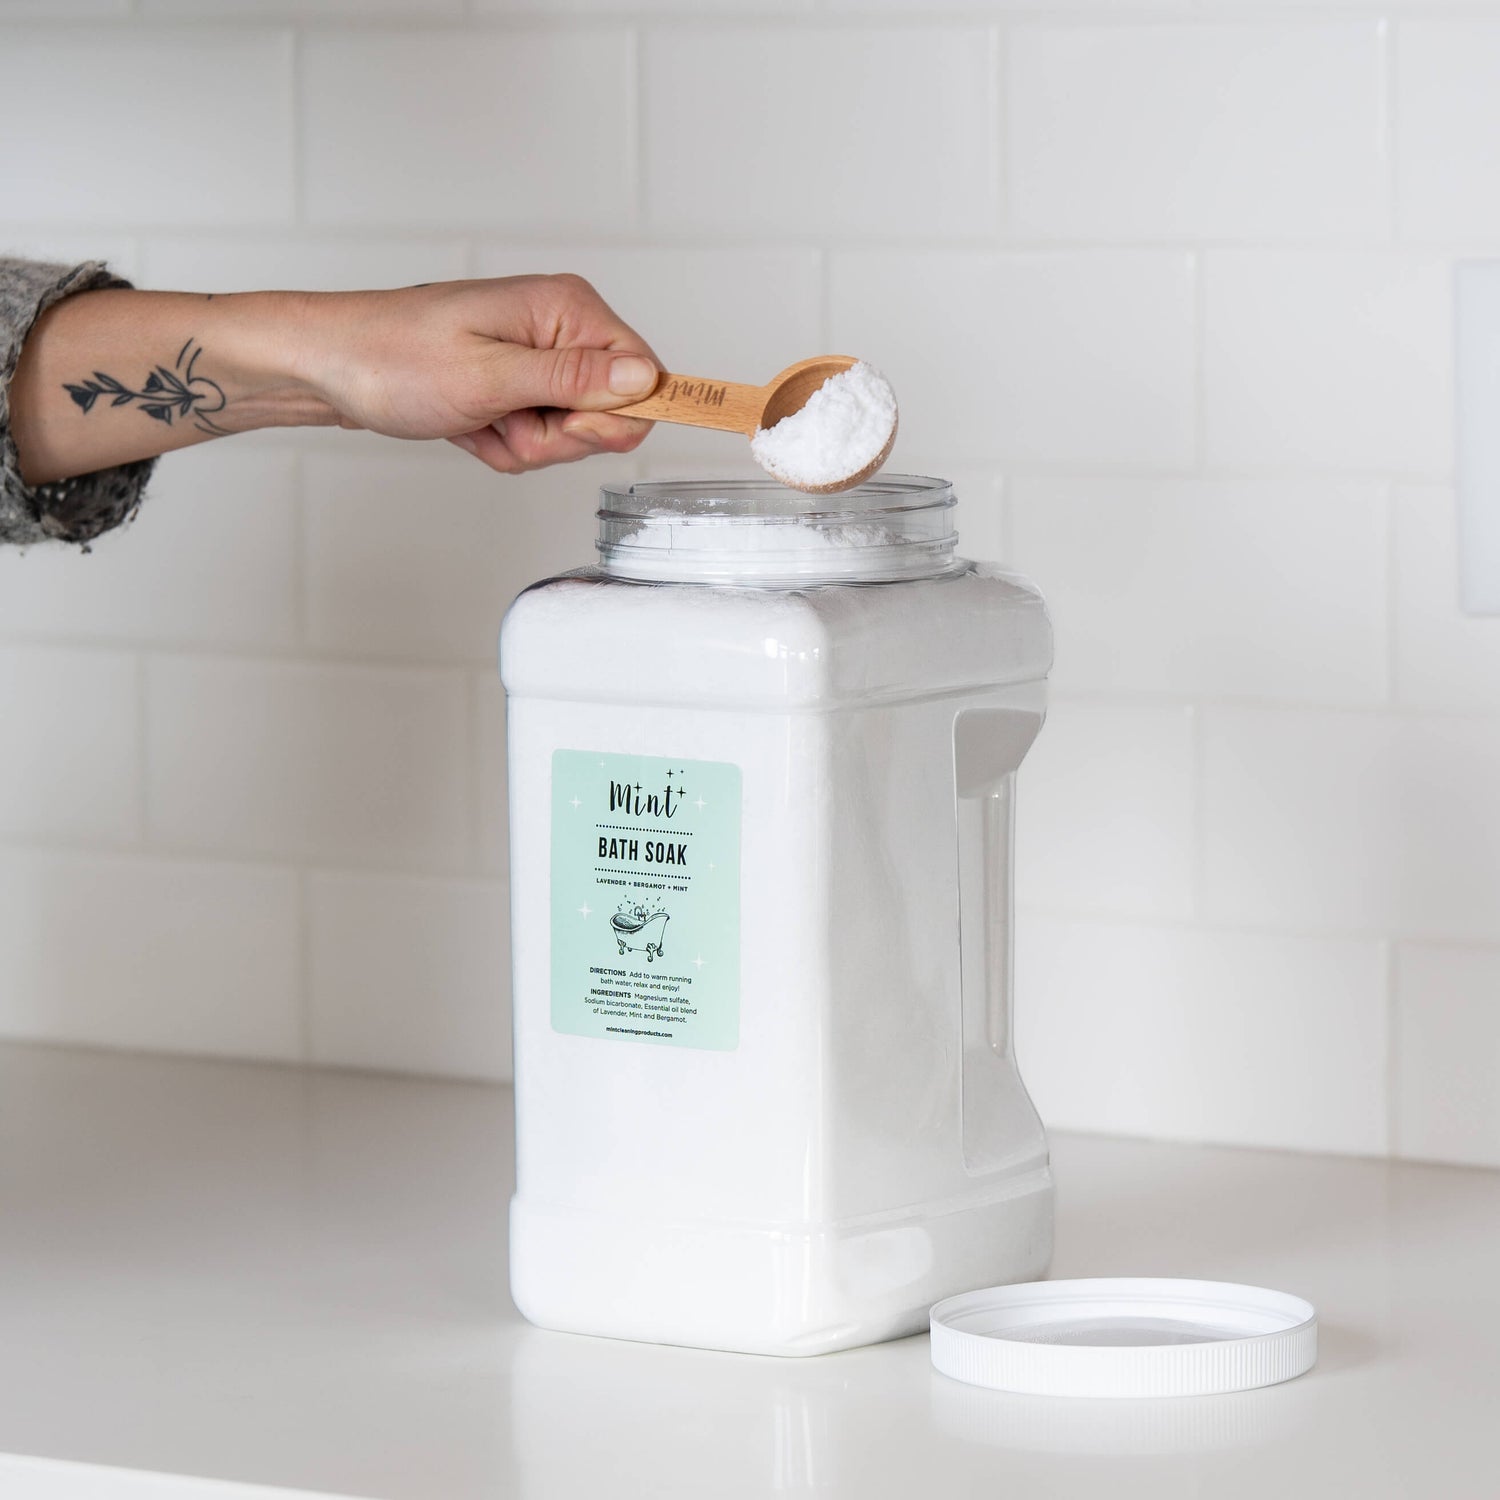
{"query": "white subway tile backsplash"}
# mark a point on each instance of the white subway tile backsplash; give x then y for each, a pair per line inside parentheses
(758, 129)
(1067, 360)
(1165, 291)
(1448, 1054)
(1445, 659)
(143, 125)
(1211, 588)
(322, 763)
(70, 765)
(210, 560)
(525, 127)
(416, 555)
(1105, 819)
(155, 954)
(733, 313)
(1319, 361)
(1163, 131)
(1352, 821)
(1447, 119)
(305, 263)
(410, 975)
(1199, 1034)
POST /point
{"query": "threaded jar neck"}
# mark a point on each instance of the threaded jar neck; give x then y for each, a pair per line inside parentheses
(751, 533)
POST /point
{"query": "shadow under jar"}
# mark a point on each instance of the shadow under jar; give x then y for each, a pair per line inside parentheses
(762, 763)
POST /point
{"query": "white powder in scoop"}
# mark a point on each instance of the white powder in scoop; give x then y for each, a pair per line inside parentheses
(846, 423)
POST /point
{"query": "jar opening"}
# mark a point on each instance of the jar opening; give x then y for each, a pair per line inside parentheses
(755, 533)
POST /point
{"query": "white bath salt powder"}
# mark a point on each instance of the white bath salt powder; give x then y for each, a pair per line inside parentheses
(842, 430)
(732, 549)
(729, 535)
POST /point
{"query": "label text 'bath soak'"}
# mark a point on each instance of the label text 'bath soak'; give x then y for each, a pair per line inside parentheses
(646, 899)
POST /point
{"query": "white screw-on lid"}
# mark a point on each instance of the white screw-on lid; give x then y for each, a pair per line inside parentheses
(1124, 1336)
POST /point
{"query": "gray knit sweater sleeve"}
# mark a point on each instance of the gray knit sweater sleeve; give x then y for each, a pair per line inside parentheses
(71, 510)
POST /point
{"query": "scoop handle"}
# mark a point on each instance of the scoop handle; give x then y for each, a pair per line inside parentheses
(695, 402)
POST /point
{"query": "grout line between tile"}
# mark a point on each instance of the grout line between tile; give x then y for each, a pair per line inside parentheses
(263, 653)
(164, 852)
(1208, 925)
(1374, 708)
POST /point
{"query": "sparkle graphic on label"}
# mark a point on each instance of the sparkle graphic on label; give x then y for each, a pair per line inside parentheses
(585, 910)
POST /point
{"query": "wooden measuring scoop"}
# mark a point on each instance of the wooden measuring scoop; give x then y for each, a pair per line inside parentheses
(746, 409)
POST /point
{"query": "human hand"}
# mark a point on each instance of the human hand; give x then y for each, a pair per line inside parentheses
(520, 371)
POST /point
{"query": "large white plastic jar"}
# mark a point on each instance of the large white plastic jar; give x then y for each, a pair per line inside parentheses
(762, 761)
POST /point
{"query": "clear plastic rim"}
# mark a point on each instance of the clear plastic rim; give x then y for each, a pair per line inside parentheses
(758, 533)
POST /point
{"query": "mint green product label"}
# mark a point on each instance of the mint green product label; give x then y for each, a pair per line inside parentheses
(646, 899)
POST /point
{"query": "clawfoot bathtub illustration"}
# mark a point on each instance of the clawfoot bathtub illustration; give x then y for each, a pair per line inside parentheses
(640, 929)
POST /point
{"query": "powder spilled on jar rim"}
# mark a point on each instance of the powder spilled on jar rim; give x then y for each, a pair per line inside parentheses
(843, 428)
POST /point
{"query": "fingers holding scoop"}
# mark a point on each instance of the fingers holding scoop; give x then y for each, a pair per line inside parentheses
(563, 381)
(533, 439)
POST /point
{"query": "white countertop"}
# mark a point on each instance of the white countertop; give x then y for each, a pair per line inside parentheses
(297, 1279)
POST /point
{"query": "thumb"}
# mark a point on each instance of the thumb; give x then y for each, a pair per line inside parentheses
(579, 379)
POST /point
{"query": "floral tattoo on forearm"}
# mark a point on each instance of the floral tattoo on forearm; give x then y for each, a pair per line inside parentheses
(165, 395)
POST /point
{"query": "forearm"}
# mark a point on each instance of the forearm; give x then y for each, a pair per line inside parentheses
(520, 371)
(108, 377)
